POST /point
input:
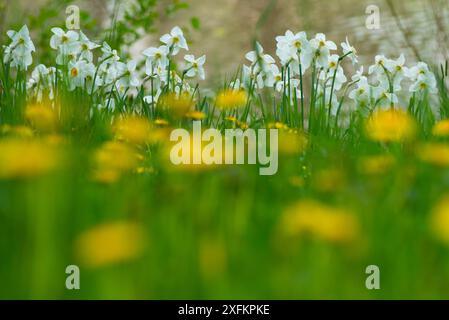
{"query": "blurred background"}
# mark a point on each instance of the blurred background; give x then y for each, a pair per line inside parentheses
(225, 29)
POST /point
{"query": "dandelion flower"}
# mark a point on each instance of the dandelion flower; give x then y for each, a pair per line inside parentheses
(439, 220)
(441, 128)
(231, 99)
(390, 126)
(133, 129)
(109, 244)
(25, 158)
(322, 221)
(434, 153)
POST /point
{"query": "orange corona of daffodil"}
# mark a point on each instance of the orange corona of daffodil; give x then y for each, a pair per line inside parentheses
(320, 220)
(231, 99)
(109, 244)
(390, 126)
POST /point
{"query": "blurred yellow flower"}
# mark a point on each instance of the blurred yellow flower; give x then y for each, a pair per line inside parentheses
(17, 131)
(110, 244)
(133, 129)
(41, 117)
(195, 115)
(376, 164)
(291, 142)
(113, 159)
(323, 221)
(26, 158)
(231, 99)
(441, 128)
(161, 122)
(390, 126)
(434, 153)
(177, 104)
(439, 220)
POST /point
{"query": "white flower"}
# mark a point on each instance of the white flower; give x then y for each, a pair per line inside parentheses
(68, 53)
(361, 93)
(195, 66)
(321, 49)
(348, 49)
(156, 57)
(62, 38)
(383, 96)
(78, 71)
(86, 47)
(294, 48)
(19, 52)
(423, 79)
(175, 41)
(358, 74)
(381, 62)
(42, 79)
(258, 59)
(109, 55)
(127, 75)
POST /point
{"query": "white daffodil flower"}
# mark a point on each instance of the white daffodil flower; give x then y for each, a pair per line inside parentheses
(383, 96)
(379, 66)
(321, 49)
(68, 53)
(350, 50)
(62, 38)
(294, 48)
(156, 57)
(19, 52)
(86, 47)
(361, 93)
(127, 75)
(195, 66)
(259, 60)
(358, 74)
(78, 71)
(175, 41)
(109, 55)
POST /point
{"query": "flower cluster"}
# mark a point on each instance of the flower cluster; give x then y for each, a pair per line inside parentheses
(116, 79)
(109, 75)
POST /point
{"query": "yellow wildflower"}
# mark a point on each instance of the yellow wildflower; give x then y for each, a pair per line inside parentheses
(320, 220)
(377, 164)
(179, 105)
(109, 244)
(231, 99)
(195, 115)
(439, 220)
(292, 142)
(133, 129)
(41, 117)
(434, 153)
(26, 158)
(390, 126)
(441, 129)
(113, 159)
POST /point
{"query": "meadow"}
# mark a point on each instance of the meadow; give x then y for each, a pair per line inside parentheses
(86, 178)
